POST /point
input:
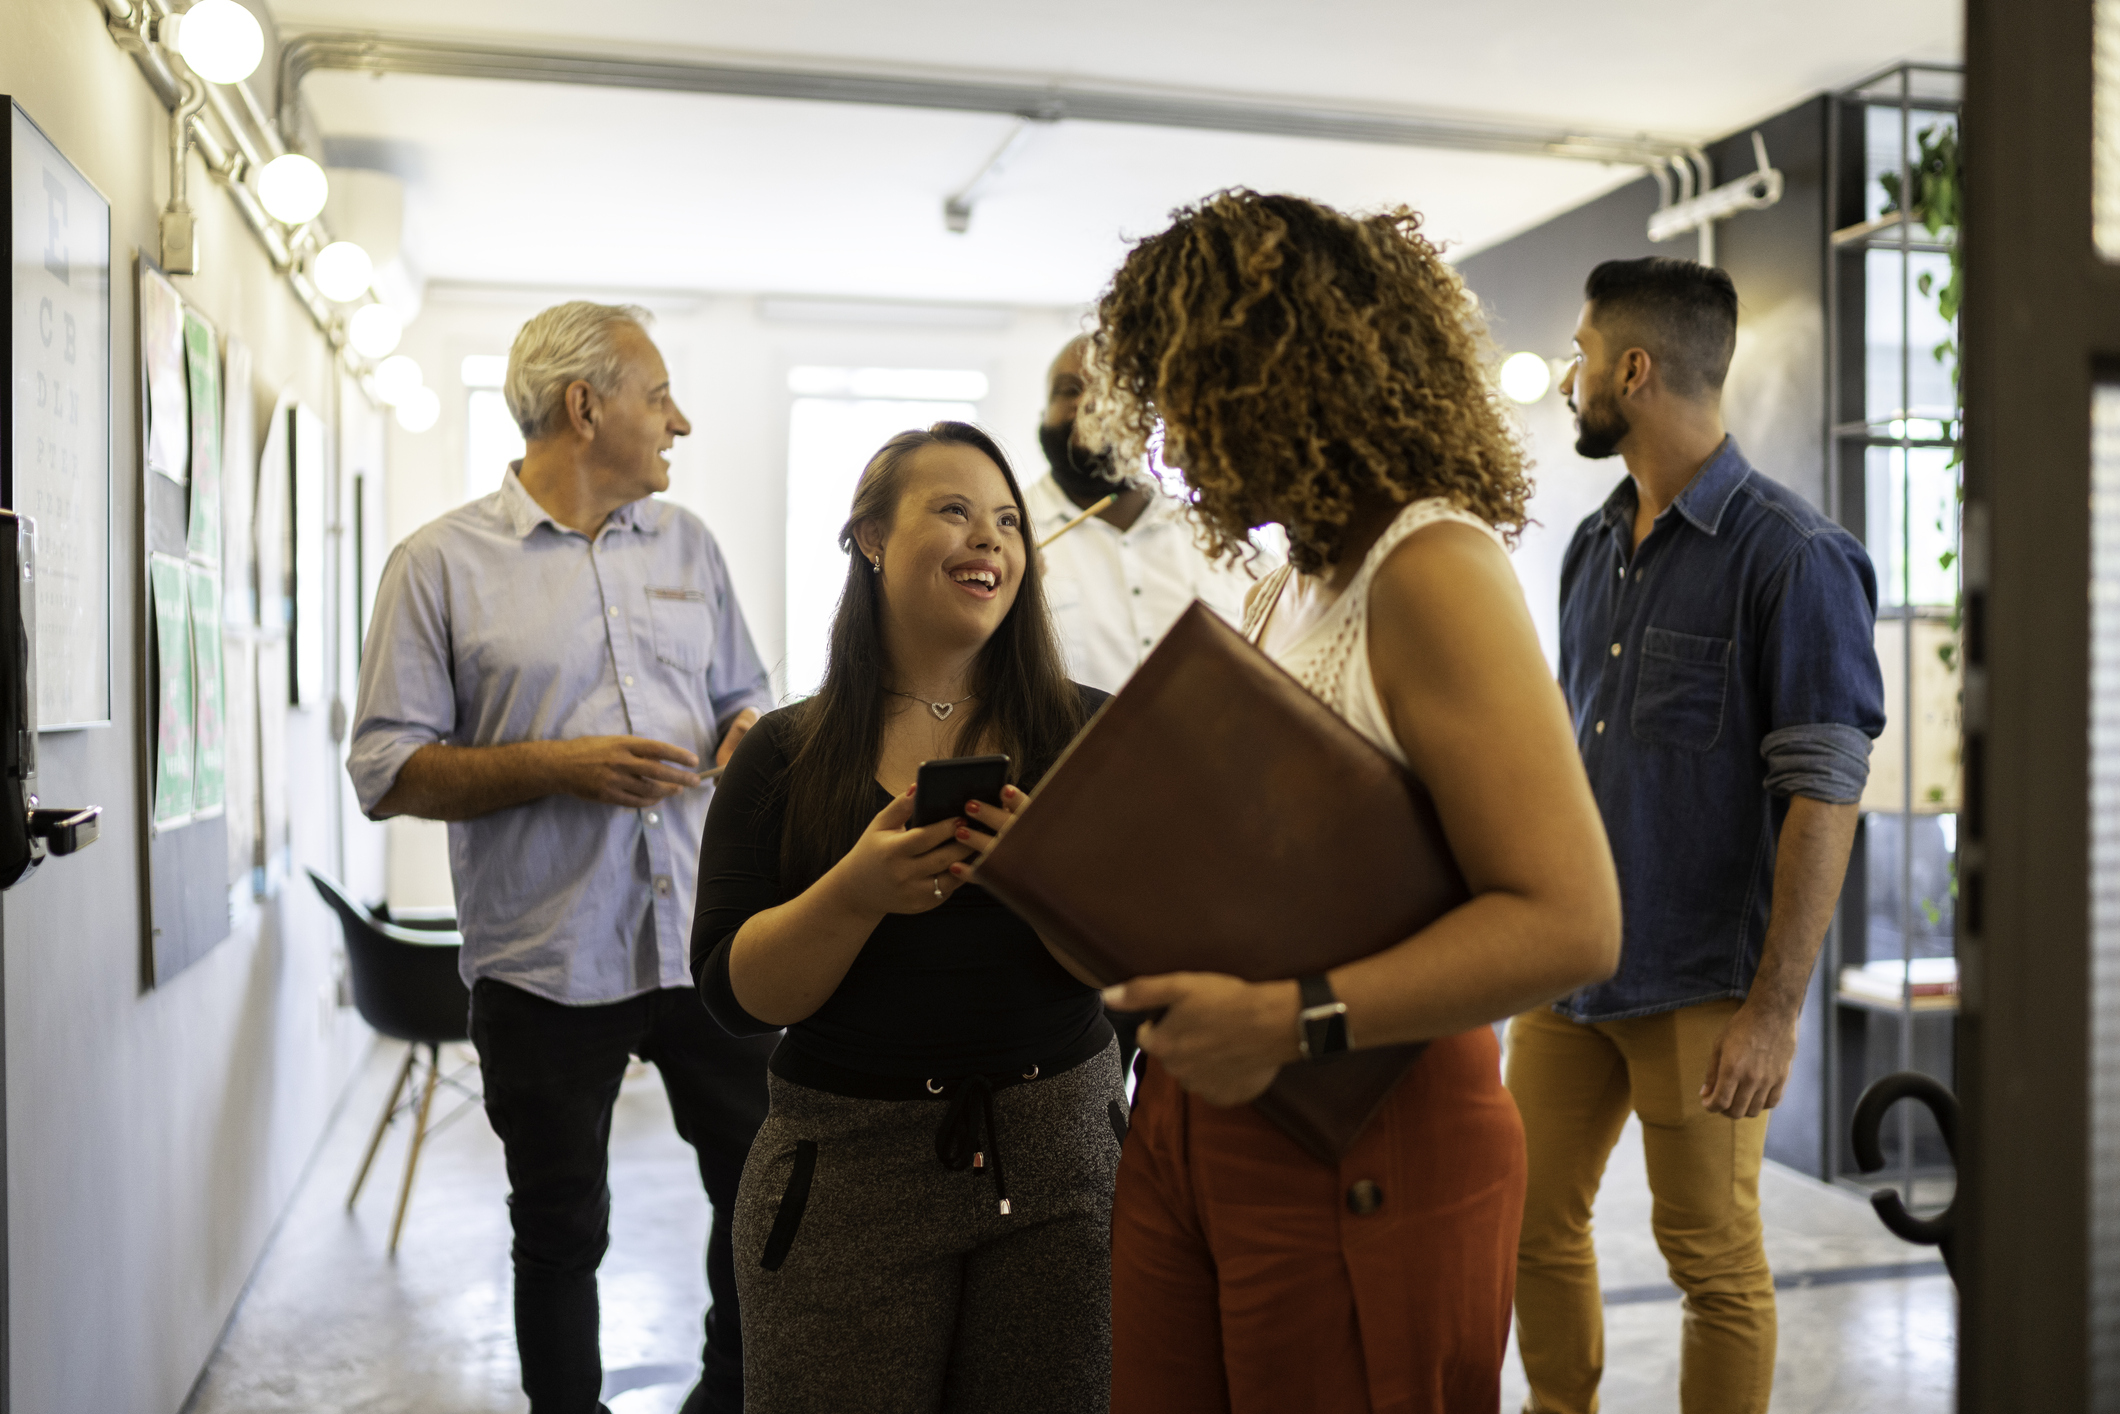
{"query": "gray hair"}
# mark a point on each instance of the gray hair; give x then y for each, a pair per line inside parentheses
(576, 342)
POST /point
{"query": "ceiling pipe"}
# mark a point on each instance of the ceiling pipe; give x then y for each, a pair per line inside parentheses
(180, 228)
(378, 53)
(957, 208)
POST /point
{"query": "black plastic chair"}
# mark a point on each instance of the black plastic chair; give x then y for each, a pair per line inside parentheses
(405, 986)
(1940, 1231)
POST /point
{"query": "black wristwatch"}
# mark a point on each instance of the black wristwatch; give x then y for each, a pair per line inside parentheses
(1321, 1024)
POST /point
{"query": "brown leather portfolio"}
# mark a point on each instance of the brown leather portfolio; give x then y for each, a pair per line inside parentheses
(1284, 844)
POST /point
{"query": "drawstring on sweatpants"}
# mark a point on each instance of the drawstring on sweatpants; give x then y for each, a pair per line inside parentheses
(957, 1142)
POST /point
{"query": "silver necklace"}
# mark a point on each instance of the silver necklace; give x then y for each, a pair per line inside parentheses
(941, 710)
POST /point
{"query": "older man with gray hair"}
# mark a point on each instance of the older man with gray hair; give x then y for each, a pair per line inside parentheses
(547, 668)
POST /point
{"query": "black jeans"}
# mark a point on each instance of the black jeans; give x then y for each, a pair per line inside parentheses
(551, 1076)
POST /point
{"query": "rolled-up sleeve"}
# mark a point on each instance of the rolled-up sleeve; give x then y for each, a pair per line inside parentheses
(408, 694)
(1825, 694)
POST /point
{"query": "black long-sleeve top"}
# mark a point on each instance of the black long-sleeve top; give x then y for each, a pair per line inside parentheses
(963, 989)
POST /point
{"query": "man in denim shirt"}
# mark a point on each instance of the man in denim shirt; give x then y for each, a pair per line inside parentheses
(1718, 657)
(547, 669)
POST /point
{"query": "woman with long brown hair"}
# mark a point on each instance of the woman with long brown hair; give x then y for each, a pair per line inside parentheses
(924, 1221)
(1323, 372)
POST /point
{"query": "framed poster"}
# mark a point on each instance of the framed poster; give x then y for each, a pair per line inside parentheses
(55, 432)
(183, 647)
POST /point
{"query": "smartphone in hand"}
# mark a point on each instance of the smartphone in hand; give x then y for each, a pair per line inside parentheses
(943, 788)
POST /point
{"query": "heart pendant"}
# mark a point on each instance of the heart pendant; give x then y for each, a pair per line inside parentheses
(942, 710)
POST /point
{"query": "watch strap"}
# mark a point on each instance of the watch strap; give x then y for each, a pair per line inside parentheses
(1321, 1018)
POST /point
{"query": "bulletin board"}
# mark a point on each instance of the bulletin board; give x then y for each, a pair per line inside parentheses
(55, 423)
(185, 716)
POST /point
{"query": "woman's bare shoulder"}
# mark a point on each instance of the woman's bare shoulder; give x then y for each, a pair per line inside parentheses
(1441, 561)
(1446, 594)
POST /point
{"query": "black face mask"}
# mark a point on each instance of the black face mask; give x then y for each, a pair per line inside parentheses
(1600, 426)
(1085, 476)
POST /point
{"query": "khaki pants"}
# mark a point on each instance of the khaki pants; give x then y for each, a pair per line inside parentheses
(1574, 1085)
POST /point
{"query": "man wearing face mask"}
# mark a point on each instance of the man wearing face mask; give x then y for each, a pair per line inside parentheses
(1118, 581)
(1718, 659)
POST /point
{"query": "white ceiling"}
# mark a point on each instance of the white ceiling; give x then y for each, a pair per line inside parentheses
(534, 184)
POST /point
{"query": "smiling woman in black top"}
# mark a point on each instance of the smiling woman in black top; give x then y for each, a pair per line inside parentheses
(924, 1222)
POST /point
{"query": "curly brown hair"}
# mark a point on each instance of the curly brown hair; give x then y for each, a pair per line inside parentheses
(1302, 362)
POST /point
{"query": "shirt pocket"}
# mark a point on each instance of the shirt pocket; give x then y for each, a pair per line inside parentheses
(1684, 682)
(683, 627)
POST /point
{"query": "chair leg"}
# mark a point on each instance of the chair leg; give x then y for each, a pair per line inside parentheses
(375, 1142)
(419, 1135)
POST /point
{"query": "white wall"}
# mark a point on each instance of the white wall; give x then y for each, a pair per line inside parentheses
(728, 357)
(154, 1135)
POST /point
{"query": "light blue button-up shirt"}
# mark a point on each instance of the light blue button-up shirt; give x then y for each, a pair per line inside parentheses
(495, 624)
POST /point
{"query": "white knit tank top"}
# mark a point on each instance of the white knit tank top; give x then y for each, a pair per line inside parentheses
(1332, 658)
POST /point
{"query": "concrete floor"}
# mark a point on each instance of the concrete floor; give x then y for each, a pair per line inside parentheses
(332, 1325)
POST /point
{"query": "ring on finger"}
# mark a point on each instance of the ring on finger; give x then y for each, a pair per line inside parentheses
(938, 886)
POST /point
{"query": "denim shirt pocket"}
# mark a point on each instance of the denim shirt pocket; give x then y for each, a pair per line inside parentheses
(1684, 683)
(683, 628)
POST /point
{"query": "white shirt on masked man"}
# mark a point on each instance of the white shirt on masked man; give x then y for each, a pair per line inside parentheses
(1114, 593)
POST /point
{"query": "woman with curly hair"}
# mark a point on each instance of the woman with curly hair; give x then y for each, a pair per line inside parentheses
(1323, 372)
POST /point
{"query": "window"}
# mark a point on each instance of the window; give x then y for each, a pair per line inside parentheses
(839, 417)
(491, 438)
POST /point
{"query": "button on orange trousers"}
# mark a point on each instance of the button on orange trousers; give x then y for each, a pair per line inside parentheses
(1243, 1281)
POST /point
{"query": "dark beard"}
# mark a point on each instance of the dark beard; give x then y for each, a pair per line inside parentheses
(1086, 477)
(1600, 427)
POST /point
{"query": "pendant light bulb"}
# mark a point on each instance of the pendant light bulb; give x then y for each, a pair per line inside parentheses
(374, 330)
(342, 271)
(220, 40)
(1525, 377)
(292, 188)
(396, 378)
(419, 410)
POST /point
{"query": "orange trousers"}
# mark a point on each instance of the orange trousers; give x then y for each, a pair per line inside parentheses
(1244, 1280)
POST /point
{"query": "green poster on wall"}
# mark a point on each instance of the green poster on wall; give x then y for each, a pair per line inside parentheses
(202, 364)
(174, 725)
(209, 764)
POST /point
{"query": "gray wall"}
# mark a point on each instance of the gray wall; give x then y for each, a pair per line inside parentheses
(154, 1136)
(1531, 288)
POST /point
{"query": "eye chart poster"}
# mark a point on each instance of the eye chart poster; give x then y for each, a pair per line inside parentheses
(59, 462)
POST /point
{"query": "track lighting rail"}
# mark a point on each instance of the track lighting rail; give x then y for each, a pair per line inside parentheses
(246, 139)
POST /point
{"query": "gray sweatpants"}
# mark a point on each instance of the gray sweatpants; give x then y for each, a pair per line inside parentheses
(904, 1290)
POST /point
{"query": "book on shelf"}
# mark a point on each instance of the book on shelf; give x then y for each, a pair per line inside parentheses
(1885, 982)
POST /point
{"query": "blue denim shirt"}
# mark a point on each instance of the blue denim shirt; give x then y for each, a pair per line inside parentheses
(1725, 665)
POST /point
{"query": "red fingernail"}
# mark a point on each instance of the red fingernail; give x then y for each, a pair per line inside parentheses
(971, 807)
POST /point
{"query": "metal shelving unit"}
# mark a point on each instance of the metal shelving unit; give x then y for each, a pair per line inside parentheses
(1889, 405)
